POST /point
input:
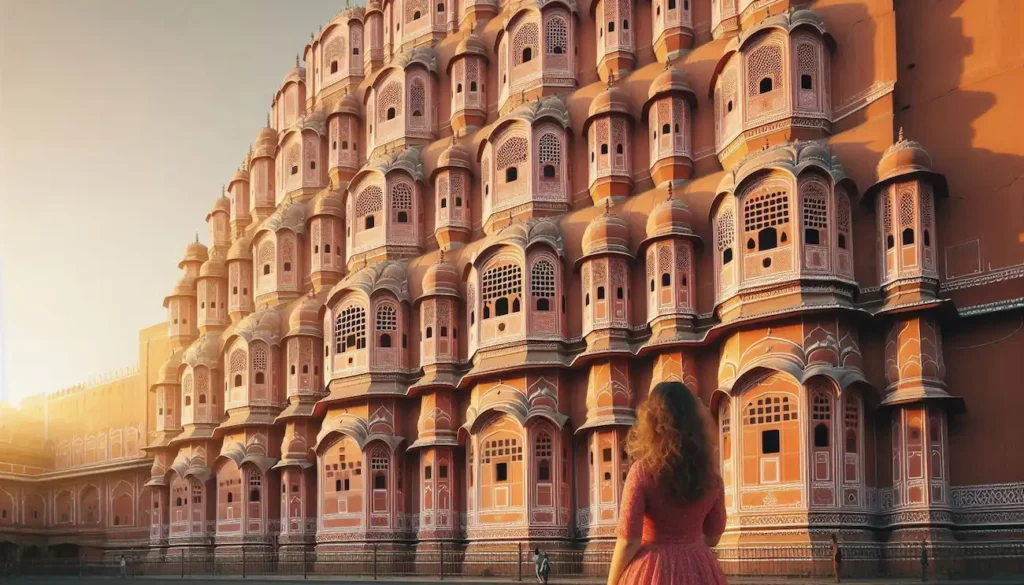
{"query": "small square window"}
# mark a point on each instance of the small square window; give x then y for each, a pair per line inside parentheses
(606, 455)
(501, 471)
(428, 472)
(442, 472)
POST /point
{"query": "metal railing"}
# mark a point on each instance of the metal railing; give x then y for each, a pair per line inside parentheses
(515, 562)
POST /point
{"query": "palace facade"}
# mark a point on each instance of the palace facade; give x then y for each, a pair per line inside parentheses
(473, 235)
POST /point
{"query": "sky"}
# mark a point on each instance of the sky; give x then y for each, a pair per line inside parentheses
(119, 123)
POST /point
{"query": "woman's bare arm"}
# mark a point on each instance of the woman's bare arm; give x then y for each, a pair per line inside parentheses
(625, 550)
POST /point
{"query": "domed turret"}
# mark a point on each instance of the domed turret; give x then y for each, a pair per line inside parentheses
(238, 191)
(606, 234)
(671, 217)
(303, 348)
(904, 199)
(261, 172)
(669, 115)
(326, 229)
(608, 131)
(343, 138)
(167, 388)
(452, 182)
(240, 278)
(467, 70)
(441, 279)
(181, 311)
(212, 293)
(669, 245)
(195, 255)
(219, 222)
(439, 316)
(604, 272)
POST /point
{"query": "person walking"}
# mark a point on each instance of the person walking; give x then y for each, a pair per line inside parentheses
(545, 568)
(837, 557)
(124, 567)
(537, 561)
(673, 503)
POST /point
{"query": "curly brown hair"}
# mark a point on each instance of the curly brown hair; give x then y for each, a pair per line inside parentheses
(671, 441)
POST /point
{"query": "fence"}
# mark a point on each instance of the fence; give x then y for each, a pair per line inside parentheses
(861, 559)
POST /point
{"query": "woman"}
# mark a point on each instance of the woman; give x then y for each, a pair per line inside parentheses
(673, 504)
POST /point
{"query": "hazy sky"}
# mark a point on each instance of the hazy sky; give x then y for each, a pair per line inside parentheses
(119, 122)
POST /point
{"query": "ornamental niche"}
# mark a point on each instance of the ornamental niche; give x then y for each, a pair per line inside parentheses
(772, 85)
(537, 51)
(781, 221)
(523, 162)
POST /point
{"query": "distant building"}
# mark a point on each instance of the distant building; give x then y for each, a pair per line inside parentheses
(472, 237)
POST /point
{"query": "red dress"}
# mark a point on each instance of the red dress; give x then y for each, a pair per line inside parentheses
(671, 532)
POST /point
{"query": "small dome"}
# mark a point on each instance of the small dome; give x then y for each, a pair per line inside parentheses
(305, 318)
(904, 157)
(454, 156)
(441, 279)
(472, 44)
(185, 287)
(606, 233)
(330, 203)
(348, 104)
(240, 175)
(373, 6)
(241, 249)
(266, 142)
(296, 74)
(611, 101)
(671, 81)
(671, 217)
(168, 373)
(194, 252)
(213, 268)
(221, 204)
(204, 351)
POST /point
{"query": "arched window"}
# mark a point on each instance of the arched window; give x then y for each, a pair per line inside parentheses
(350, 329)
(666, 128)
(444, 203)
(542, 455)
(368, 222)
(259, 377)
(391, 113)
(202, 399)
(527, 55)
(556, 36)
(511, 174)
(188, 401)
(821, 435)
(444, 331)
(549, 154)
(666, 279)
(763, 214)
(549, 171)
(266, 269)
(255, 486)
(765, 85)
(458, 88)
(238, 380)
(472, 86)
(499, 285)
(386, 323)
(501, 307)
(231, 497)
(542, 284)
(908, 236)
(604, 149)
(401, 201)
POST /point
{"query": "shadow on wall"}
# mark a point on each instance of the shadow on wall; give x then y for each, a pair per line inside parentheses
(947, 51)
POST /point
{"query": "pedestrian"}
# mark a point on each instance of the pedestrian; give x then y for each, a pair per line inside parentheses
(124, 567)
(837, 557)
(537, 561)
(924, 560)
(673, 502)
(545, 568)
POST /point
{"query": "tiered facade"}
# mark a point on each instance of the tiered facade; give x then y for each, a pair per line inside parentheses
(554, 185)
